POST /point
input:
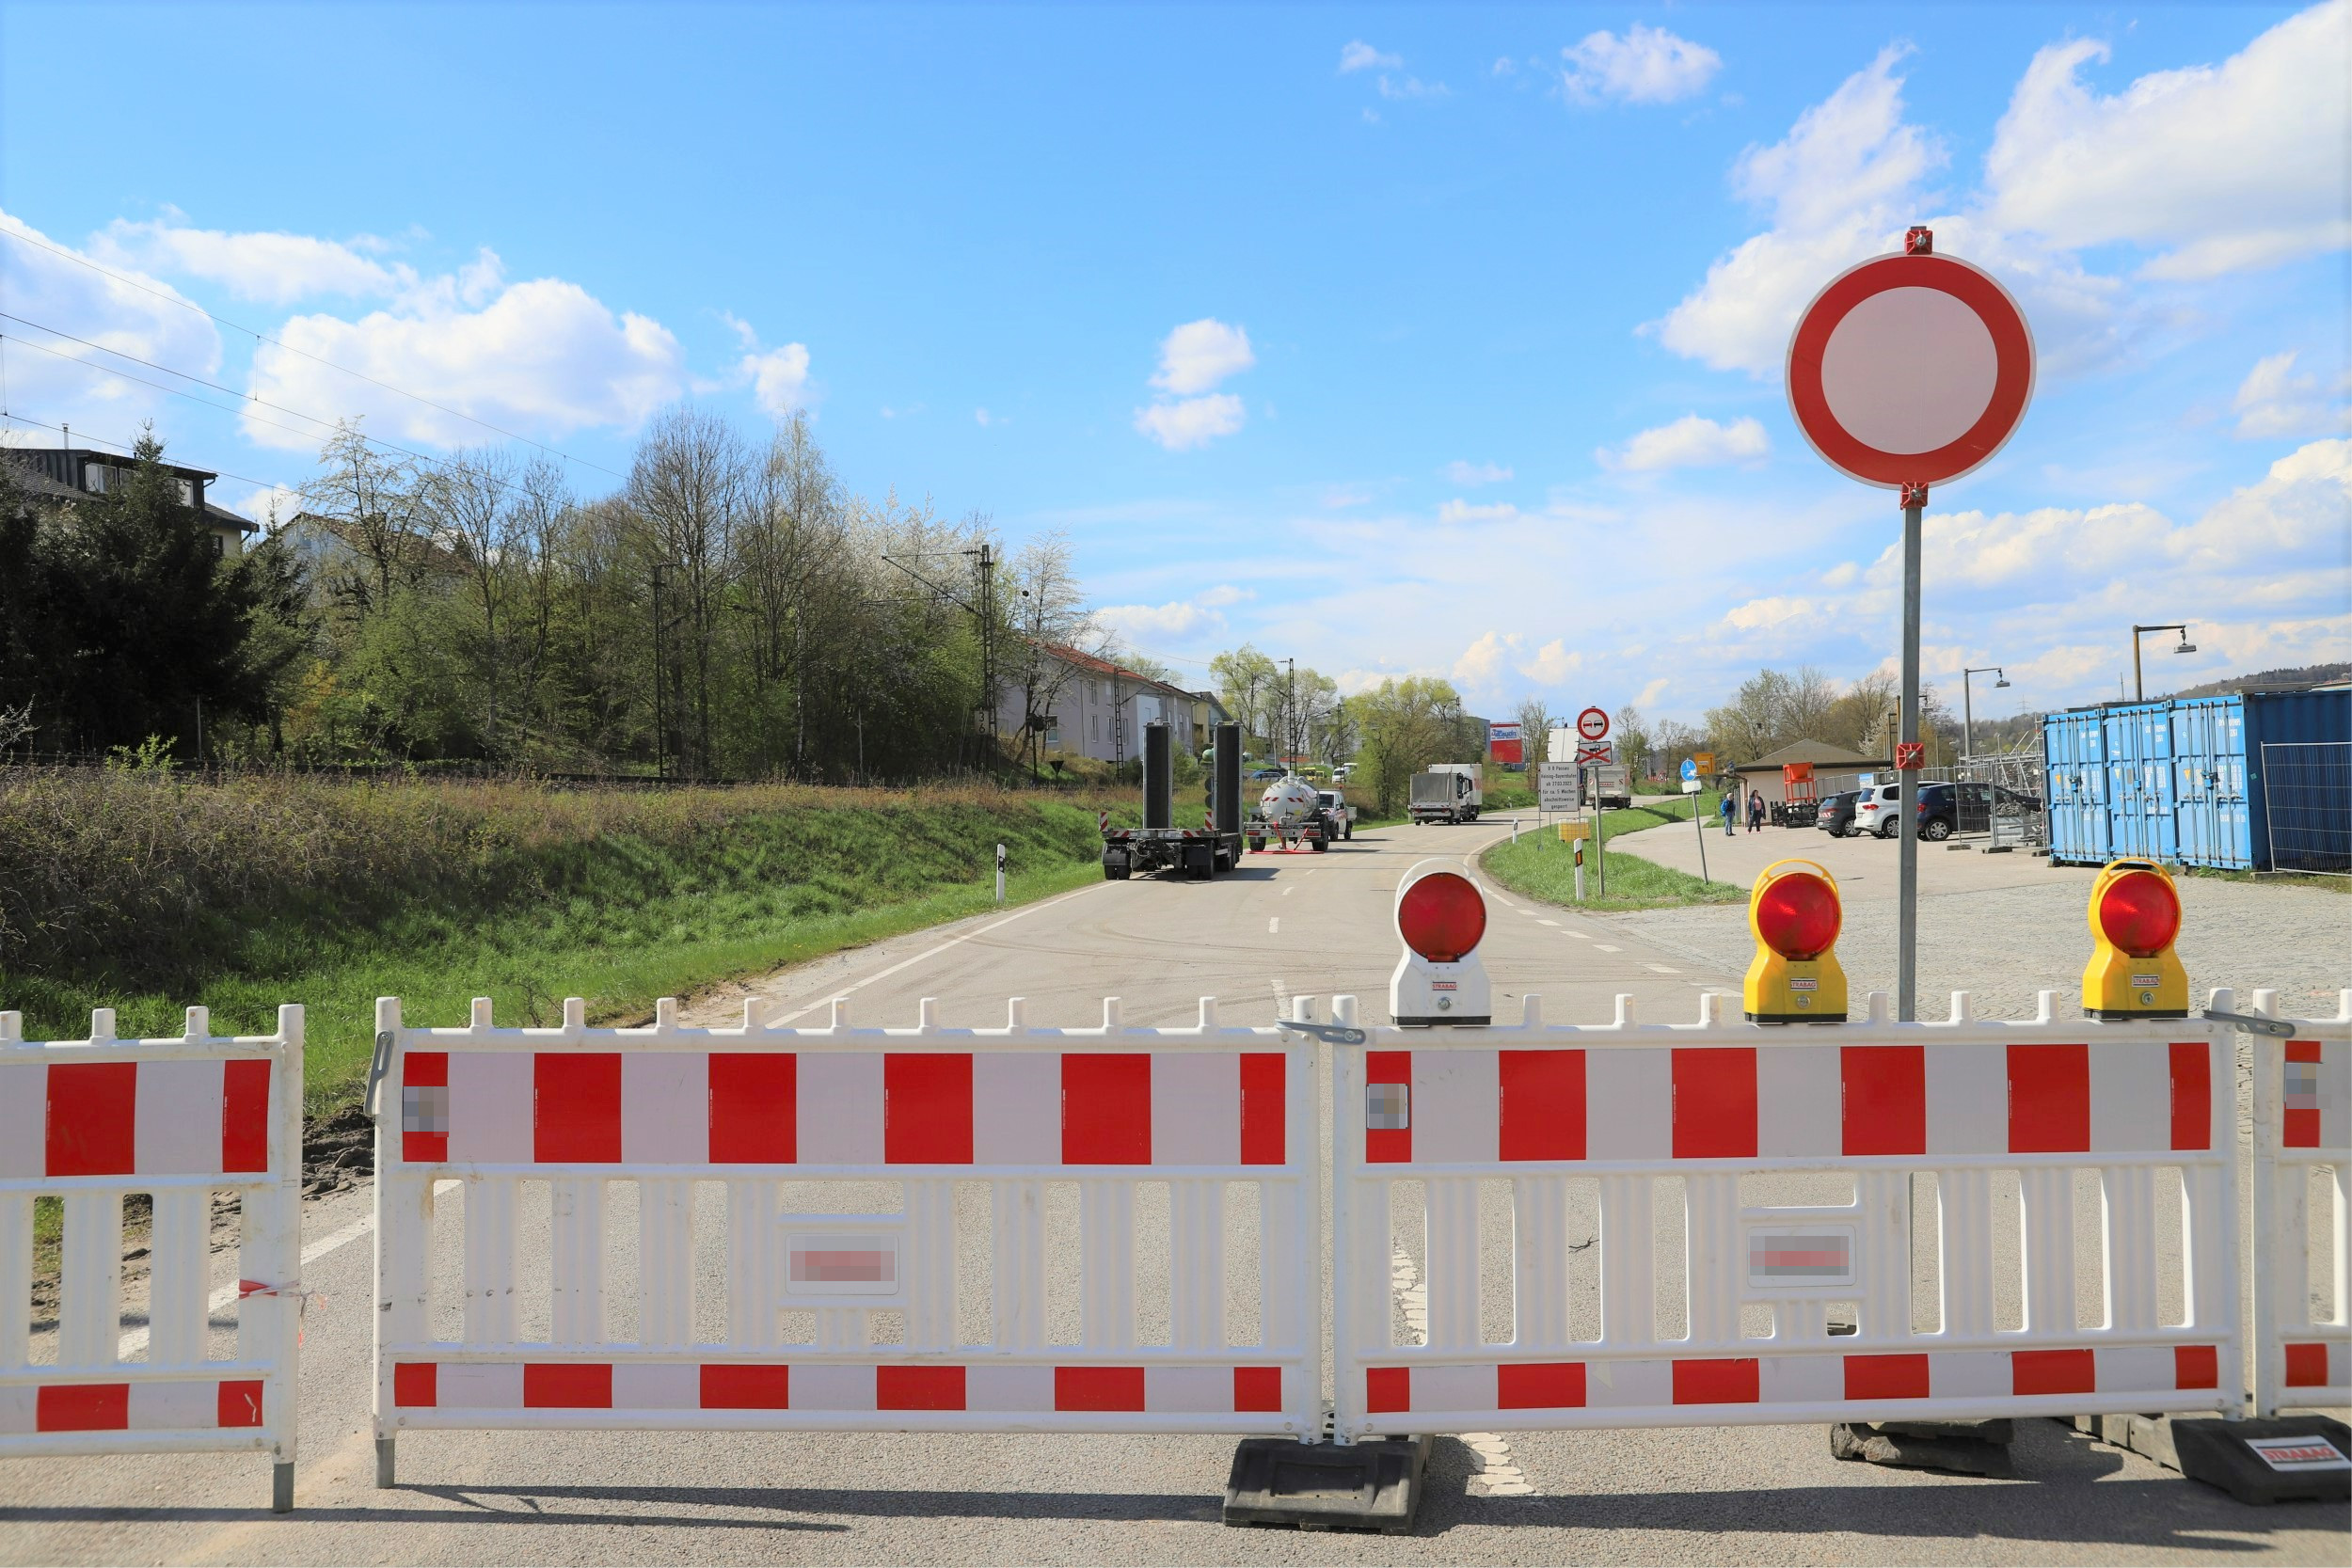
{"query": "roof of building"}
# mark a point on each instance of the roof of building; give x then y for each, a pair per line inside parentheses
(1819, 753)
(34, 480)
(1109, 671)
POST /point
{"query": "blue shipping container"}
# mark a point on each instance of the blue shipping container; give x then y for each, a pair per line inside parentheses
(2259, 780)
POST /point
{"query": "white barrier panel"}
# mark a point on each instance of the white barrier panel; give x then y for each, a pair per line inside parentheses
(1816, 1277)
(92, 1122)
(846, 1306)
(2302, 1140)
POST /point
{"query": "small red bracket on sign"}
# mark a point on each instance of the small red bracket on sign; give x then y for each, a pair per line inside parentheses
(1915, 495)
(1908, 755)
(1918, 241)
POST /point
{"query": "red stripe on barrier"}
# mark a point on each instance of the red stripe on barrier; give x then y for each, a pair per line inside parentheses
(1098, 1388)
(1884, 1090)
(1257, 1389)
(2299, 1128)
(2196, 1367)
(416, 1384)
(578, 1107)
(425, 1069)
(2303, 1050)
(1540, 1384)
(567, 1385)
(1106, 1112)
(243, 1117)
(2307, 1366)
(2192, 1096)
(1714, 1104)
(83, 1406)
(1737, 1381)
(1543, 1106)
(754, 1115)
(1264, 1105)
(240, 1403)
(1385, 1145)
(919, 1388)
(1387, 1389)
(2053, 1372)
(1886, 1377)
(93, 1119)
(2049, 1100)
(728, 1385)
(926, 1114)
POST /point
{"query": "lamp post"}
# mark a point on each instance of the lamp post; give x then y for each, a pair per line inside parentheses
(1967, 714)
(2139, 691)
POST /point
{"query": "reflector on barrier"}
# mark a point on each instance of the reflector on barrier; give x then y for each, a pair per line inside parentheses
(2135, 918)
(1795, 915)
(1440, 918)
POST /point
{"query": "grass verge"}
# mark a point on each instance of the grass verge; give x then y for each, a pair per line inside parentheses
(1540, 866)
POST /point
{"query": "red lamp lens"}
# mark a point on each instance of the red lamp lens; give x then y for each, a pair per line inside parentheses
(2140, 913)
(1798, 916)
(1442, 917)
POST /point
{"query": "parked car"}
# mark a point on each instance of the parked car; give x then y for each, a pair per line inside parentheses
(1946, 809)
(1335, 807)
(1835, 817)
(1874, 811)
(1266, 773)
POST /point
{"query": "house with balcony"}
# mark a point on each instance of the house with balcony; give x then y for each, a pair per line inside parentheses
(64, 475)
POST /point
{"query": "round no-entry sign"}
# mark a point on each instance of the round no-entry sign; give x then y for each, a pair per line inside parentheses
(1593, 724)
(1910, 369)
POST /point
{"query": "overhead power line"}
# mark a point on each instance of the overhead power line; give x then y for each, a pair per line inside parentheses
(264, 338)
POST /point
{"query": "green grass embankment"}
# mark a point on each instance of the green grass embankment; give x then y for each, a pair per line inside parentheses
(1540, 866)
(149, 894)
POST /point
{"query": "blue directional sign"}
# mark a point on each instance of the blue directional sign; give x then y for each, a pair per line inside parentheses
(1690, 768)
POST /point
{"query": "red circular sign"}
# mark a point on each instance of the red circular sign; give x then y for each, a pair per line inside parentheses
(1592, 725)
(1910, 369)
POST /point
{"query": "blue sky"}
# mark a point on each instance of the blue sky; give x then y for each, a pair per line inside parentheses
(1436, 339)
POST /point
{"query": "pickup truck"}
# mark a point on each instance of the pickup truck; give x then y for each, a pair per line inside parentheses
(1336, 808)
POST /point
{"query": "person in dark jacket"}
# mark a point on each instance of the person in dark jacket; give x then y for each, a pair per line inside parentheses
(1730, 808)
(1756, 811)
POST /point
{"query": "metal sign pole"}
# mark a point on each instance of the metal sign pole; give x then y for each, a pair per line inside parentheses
(1907, 779)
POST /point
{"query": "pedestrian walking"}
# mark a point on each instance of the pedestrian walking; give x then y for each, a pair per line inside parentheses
(1730, 808)
(1756, 811)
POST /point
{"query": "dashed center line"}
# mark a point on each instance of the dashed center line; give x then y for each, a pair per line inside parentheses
(1662, 968)
(1553, 923)
(1606, 948)
(1273, 926)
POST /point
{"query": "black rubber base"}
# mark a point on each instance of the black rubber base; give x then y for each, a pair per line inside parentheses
(1796, 1017)
(1362, 1486)
(2255, 1462)
(1443, 1019)
(2109, 1015)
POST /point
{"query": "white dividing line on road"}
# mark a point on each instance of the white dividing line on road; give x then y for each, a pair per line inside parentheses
(1274, 925)
(1288, 891)
(927, 953)
(1498, 1475)
(1582, 936)
(1553, 923)
(1662, 968)
(1606, 948)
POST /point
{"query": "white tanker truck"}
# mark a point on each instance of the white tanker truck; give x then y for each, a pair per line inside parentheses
(1292, 813)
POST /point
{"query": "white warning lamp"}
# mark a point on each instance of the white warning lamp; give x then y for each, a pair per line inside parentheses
(1442, 917)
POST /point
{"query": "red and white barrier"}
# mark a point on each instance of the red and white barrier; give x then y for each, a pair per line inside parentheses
(1745, 1119)
(2302, 1136)
(94, 1121)
(798, 1125)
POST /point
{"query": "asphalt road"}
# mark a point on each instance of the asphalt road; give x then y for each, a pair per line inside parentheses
(1286, 926)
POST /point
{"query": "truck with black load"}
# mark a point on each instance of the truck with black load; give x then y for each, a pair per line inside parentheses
(1159, 845)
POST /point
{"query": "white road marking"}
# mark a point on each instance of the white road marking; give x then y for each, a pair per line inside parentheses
(1273, 926)
(781, 1020)
(1555, 925)
(1288, 891)
(1582, 936)
(1497, 1475)
(1606, 948)
(1662, 968)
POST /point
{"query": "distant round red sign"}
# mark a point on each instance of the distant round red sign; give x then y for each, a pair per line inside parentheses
(1592, 725)
(1910, 369)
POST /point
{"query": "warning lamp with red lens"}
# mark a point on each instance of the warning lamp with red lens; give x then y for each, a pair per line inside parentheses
(2135, 919)
(1796, 915)
(1441, 918)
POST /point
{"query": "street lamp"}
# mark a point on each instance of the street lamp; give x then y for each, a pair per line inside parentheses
(2139, 691)
(1967, 715)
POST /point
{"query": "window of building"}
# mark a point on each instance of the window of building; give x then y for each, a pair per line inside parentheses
(187, 492)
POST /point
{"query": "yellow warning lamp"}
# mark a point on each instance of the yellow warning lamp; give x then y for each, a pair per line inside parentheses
(1795, 978)
(2135, 918)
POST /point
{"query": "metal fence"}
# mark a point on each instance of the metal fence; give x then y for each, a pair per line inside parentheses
(2306, 800)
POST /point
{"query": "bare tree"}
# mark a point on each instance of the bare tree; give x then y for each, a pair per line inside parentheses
(480, 526)
(1049, 615)
(793, 530)
(1535, 717)
(379, 506)
(688, 484)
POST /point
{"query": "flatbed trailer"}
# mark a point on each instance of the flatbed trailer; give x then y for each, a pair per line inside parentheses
(1199, 853)
(1159, 845)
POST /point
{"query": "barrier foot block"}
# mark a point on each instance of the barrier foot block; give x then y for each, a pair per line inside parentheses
(384, 1461)
(2279, 1459)
(281, 1488)
(1362, 1486)
(1913, 1446)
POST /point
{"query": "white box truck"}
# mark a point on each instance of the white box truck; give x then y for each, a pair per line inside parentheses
(1448, 792)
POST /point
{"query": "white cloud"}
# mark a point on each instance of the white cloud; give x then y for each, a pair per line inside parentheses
(982, 417)
(779, 378)
(272, 267)
(1412, 86)
(271, 503)
(1480, 663)
(1356, 54)
(1552, 663)
(1225, 594)
(159, 325)
(1649, 65)
(1840, 187)
(1178, 619)
(543, 356)
(1688, 442)
(1189, 423)
(1469, 474)
(2236, 165)
(2273, 401)
(1457, 511)
(1505, 66)
(1199, 355)
(1763, 614)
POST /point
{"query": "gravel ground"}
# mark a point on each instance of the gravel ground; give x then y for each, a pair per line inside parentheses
(2003, 945)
